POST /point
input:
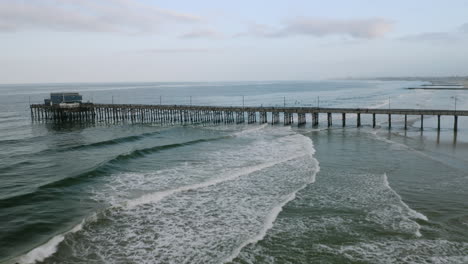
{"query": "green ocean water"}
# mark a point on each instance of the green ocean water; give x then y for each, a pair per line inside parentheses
(152, 193)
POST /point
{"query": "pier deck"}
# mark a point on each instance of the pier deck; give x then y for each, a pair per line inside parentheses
(223, 114)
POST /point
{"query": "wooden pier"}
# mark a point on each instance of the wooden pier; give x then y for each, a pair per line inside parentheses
(184, 114)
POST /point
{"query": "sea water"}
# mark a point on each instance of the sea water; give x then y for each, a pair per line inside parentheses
(151, 193)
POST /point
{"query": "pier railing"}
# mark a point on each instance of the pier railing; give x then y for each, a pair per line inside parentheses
(224, 114)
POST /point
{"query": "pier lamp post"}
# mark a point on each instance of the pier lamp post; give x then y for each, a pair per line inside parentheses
(455, 103)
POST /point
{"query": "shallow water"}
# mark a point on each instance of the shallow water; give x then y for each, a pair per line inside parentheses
(146, 193)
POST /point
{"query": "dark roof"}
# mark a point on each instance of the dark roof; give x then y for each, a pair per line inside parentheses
(63, 94)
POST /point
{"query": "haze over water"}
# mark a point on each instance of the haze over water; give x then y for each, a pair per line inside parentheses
(151, 193)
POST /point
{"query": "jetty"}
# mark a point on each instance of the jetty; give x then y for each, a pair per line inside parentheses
(197, 114)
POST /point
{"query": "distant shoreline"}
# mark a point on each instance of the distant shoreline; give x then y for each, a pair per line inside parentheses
(442, 85)
(436, 88)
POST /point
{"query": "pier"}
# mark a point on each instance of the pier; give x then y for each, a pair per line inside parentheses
(187, 114)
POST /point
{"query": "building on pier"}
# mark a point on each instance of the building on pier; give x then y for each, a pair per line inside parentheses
(66, 100)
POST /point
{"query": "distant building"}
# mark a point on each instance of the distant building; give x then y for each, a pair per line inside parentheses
(65, 98)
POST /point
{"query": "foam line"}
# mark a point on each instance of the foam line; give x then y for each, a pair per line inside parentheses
(158, 196)
(250, 130)
(413, 213)
(425, 155)
(47, 249)
(271, 217)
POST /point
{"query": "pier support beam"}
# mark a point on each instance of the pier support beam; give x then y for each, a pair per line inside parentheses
(329, 119)
(315, 119)
(240, 117)
(422, 122)
(406, 122)
(389, 121)
(373, 120)
(301, 118)
(438, 122)
(455, 125)
(359, 120)
(288, 118)
(275, 118)
(251, 117)
(263, 117)
(343, 119)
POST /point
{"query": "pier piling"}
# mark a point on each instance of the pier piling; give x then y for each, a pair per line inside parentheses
(422, 122)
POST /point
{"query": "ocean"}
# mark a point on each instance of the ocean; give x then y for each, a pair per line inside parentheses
(258, 193)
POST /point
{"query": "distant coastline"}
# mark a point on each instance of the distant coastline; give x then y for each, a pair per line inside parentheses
(437, 88)
(433, 83)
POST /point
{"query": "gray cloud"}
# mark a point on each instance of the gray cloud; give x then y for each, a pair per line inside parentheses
(368, 28)
(448, 36)
(431, 36)
(258, 30)
(123, 16)
(205, 33)
(178, 50)
(356, 28)
(464, 28)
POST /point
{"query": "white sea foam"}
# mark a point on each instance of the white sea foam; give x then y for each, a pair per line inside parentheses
(413, 213)
(370, 203)
(158, 196)
(271, 217)
(391, 212)
(207, 207)
(42, 252)
(227, 199)
(401, 251)
(47, 249)
(268, 224)
(250, 130)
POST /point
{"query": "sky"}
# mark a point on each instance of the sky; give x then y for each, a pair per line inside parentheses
(56, 41)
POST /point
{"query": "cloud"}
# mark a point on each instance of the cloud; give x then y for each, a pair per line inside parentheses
(123, 16)
(444, 36)
(356, 28)
(464, 28)
(258, 30)
(368, 28)
(205, 33)
(431, 36)
(177, 50)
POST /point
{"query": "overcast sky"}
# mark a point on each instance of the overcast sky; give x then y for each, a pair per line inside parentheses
(216, 40)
